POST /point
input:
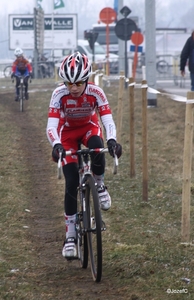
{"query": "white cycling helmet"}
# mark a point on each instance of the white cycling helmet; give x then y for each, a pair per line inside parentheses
(18, 52)
(75, 67)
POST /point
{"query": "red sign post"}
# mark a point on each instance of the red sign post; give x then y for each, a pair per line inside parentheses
(107, 15)
(137, 39)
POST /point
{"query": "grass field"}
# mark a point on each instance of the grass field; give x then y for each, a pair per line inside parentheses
(143, 257)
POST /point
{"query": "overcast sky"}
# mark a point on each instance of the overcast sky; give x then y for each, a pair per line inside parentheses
(166, 12)
(169, 13)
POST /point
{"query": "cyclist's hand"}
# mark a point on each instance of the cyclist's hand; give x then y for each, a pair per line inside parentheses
(114, 147)
(182, 73)
(30, 76)
(55, 153)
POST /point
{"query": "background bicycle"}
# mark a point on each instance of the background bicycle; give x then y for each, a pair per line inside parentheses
(7, 71)
(162, 66)
(46, 66)
(23, 95)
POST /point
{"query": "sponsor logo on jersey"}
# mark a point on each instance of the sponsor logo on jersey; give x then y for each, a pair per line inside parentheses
(71, 102)
(111, 129)
(56, 104)
(94, 90)
(85, 104)
(50, 134)
(88, 134)
(78, 112)
(57, 92)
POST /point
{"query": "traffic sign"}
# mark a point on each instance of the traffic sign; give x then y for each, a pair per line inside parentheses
(108, 15)
(134, 48)
(125, 11)
(137, 38)
(124, 29)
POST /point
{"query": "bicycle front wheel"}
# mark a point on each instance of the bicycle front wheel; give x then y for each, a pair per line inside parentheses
(162, 66)
(82, 245)
(94, 234)
(21, 97)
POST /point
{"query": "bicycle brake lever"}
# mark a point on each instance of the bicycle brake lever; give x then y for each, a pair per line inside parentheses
(59, 166)
(116, 163)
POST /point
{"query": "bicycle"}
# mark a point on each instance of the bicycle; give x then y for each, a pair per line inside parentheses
(89, 223)
(21, 87)
(45, 66)
(162, 65)
(7, 71)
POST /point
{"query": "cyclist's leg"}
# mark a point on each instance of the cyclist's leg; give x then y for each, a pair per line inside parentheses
(17, 88)
(72, 181)
(98, 169)
(98, 160)
(70, 206)
(26, 83)
(26, 74)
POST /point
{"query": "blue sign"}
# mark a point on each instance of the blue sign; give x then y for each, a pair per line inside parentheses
(133, 48)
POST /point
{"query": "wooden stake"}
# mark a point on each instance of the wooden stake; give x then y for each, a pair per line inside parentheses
(187, 162)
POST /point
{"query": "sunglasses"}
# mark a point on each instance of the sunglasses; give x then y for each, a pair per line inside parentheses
(70, 84)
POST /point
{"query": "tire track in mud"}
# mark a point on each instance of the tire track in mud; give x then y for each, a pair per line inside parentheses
(39, 167)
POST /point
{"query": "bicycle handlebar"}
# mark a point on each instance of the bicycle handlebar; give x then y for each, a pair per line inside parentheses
(22, 76)
(86, 151)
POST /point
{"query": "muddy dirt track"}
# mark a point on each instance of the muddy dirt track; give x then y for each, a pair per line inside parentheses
(51, 276)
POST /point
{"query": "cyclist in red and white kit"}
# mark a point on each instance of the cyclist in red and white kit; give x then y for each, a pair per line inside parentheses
(73, 118)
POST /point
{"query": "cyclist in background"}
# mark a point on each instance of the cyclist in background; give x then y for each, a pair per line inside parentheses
(73, 118)
(21, 66)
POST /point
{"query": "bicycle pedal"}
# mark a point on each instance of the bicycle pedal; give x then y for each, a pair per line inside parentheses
(71, 258)
(103, 228)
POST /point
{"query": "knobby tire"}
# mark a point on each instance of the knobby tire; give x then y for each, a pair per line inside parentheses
(82, 244)
(21, 97)
(94, 237)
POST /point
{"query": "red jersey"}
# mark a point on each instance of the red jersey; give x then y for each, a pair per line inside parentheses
(67, 112)
(21, 64)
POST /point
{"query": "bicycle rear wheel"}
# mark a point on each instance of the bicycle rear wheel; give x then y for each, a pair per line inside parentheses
(94, 234)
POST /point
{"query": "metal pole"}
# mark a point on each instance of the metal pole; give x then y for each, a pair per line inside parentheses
(35, 65)
(120, 42)
(150, 42)
(126, 62)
